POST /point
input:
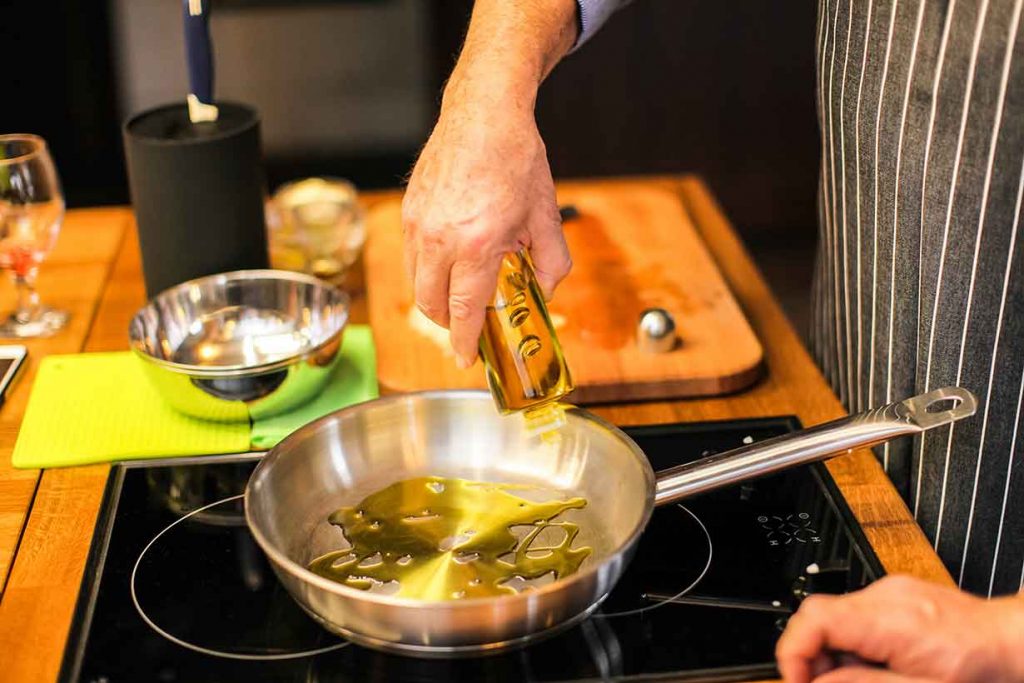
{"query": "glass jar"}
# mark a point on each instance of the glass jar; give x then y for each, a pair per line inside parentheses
(316, 226)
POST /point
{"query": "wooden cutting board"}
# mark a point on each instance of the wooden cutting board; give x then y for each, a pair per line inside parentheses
(633, 247)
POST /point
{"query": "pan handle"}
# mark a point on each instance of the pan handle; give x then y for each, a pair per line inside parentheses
(912, 416)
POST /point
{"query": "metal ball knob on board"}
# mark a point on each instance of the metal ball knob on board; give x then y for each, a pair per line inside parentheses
(656, 331)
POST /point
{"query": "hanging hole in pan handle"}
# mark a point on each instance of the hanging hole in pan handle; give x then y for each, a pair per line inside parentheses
(941, 406)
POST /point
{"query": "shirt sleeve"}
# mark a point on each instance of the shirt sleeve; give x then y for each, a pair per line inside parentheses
(592, 14)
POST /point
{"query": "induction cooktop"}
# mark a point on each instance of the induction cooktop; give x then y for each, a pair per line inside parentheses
(177, 590)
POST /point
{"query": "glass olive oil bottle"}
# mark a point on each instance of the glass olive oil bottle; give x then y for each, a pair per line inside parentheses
(523, 359)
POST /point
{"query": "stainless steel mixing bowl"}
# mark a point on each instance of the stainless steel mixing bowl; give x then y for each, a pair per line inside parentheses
(242, 345)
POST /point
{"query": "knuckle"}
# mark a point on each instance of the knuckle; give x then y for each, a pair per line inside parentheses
(907, 621)
(430, 310)
(963, 662)
(784, 645)
(410, 215)
(927, 610)
(556, 271)
(813, 607)
(431, 239)
(460, 307)
(409, 225)
(476, 240)
(564, 267)
(893, 584)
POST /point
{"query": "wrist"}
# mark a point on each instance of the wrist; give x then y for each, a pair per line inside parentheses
(509, 50)
(1012, 641)
(502, 91)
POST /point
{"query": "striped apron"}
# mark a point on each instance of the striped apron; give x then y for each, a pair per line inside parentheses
(919, 278)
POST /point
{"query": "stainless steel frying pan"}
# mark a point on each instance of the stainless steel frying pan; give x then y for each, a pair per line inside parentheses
(341, 458)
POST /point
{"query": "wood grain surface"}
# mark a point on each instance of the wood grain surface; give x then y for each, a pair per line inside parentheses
(633, 247)
(36, 609)
(71, 278)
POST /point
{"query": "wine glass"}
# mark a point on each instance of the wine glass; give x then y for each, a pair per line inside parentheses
(31, 212)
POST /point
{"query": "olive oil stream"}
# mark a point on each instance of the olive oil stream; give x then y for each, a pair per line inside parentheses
(436, 538)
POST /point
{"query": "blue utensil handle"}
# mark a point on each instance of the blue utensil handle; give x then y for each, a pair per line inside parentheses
(198, 49)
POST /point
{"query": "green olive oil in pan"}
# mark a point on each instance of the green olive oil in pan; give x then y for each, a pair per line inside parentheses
(435, 538)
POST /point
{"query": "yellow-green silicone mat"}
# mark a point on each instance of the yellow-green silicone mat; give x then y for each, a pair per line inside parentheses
(99, 407)
(354, 380)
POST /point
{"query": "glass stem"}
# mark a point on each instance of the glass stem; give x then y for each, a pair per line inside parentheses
(28, 298)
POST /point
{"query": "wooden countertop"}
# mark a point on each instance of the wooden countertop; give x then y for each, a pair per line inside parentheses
(47, 518)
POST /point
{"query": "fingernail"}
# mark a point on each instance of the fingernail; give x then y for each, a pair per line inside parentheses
(462, 362)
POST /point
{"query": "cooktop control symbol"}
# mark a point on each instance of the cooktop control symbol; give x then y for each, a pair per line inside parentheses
(789, 529)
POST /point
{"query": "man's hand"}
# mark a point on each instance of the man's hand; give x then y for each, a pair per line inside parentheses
(482, 186)
(902, 630)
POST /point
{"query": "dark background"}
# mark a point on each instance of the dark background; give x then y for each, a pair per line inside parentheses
(725, 90)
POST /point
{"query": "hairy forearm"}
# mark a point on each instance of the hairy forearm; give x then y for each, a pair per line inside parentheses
(510, 48)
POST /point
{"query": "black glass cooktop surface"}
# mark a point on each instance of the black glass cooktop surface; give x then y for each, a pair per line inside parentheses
(177, 590)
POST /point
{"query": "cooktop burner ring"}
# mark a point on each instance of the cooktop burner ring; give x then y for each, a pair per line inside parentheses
(297, 654)
(693, 584)
(205, 582)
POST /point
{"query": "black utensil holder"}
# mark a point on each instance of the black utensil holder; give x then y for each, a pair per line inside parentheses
(198, 191)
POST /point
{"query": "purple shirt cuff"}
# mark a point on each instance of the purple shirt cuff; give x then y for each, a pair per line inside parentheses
(592, 15)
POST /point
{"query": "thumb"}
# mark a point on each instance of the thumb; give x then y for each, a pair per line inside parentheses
(867, 674)
(548, 250)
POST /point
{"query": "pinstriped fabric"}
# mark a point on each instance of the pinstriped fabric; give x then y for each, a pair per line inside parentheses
(919, 278)
(951, 296)
(857, 275)
(900, 283)
(876, 75)
(843, 262)
(826, 299)
(830, 243)
(971, 367)
(929, 136)
(984, 510)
